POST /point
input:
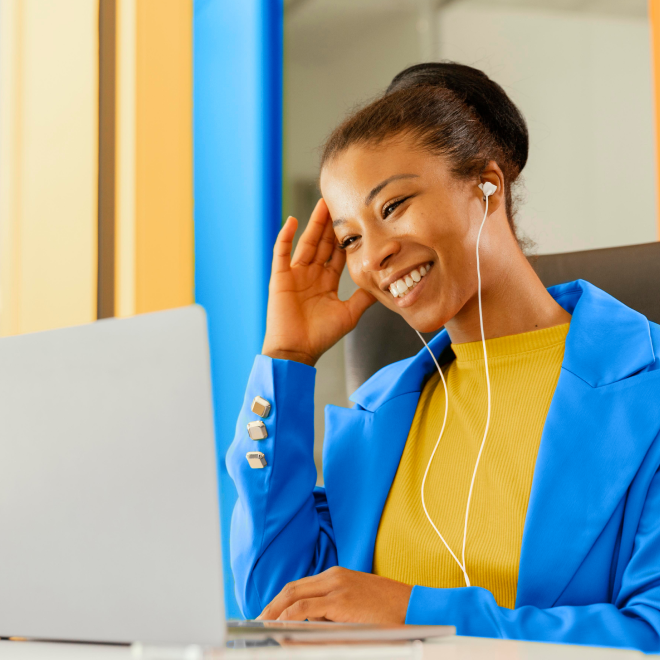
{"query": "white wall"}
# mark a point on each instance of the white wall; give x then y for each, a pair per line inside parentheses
(329, 72)
(583, 82)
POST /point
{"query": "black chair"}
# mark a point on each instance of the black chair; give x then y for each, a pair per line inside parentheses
(630, 273)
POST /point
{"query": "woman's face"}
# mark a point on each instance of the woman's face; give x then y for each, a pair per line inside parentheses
(398, 212)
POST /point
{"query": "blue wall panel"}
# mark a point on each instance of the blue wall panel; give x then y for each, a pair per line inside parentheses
(237, 184)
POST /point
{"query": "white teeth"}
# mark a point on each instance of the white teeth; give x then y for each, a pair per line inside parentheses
(399, 288)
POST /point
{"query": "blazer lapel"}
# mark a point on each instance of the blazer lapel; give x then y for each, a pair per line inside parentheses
(359, 472)
(593, 443)
(597, 432)
(362, 450)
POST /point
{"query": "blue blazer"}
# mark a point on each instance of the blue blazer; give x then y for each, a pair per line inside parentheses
(590, 557)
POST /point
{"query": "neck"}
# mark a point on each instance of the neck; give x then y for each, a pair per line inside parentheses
(513, 299)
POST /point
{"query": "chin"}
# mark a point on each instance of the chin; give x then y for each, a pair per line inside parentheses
(425, 323)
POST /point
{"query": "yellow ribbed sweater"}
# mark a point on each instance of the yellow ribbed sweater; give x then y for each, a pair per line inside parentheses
(524, 370)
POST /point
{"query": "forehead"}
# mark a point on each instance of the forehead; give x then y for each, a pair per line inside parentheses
(352, 173)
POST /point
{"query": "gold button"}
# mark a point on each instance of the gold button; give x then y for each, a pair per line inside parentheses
(257, 430)
(256, 459)
(260, 406)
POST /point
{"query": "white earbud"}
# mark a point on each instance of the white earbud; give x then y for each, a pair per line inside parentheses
(487, 188)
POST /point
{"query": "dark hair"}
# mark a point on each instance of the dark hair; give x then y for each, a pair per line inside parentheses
(450, 109)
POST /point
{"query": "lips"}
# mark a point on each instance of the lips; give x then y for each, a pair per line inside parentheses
(409, 281)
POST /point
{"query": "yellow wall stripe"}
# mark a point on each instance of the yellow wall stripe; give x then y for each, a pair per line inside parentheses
(48, 215)
(164, 270)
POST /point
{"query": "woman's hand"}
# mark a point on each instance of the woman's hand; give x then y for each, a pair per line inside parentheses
(341, 595)
(305, 316)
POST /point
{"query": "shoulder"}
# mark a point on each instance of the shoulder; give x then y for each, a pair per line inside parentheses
(390, 372)
(403, 377)
(371, 394)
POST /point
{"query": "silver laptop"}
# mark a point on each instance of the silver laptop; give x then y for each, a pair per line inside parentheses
(109, 517)
(109, 523)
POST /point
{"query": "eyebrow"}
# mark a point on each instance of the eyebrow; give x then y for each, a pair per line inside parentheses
(370, 197)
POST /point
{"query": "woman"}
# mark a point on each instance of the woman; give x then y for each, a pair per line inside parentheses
(515, 496)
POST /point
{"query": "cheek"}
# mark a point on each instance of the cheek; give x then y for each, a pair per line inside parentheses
(358, 276)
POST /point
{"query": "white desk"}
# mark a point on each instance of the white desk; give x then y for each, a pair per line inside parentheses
(452, 648)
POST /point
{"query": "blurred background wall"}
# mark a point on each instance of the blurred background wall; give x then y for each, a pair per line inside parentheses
(95, 160)
(579, 70)
(582, 77)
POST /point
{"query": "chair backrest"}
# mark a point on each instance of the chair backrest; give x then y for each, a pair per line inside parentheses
(630, 273)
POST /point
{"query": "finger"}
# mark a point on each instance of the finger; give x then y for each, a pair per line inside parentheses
(326, 243)
(309, 587)
(307, 608)
(309, 240)
(283, 243)
(337, 260)
(358, 304)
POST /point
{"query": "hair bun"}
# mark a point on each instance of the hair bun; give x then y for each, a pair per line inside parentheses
(486, 98)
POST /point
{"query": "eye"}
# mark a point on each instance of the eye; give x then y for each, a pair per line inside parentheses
(392, 206)
(347, 241)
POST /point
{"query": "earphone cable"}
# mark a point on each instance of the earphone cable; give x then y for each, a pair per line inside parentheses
(442, 430)
(483, 342)
(444, 422)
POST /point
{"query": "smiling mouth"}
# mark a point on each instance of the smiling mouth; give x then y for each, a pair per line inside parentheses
(409, 281)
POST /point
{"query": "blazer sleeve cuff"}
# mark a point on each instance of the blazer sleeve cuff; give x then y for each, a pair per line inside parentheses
(288, 447)
(472, 610)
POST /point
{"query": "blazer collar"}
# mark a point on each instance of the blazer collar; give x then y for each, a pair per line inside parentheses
(402, 377)
(607, 342)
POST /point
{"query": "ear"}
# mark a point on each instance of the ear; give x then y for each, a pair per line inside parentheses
(492, 174)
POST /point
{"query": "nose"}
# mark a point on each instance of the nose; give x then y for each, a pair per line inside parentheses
(377, 252)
